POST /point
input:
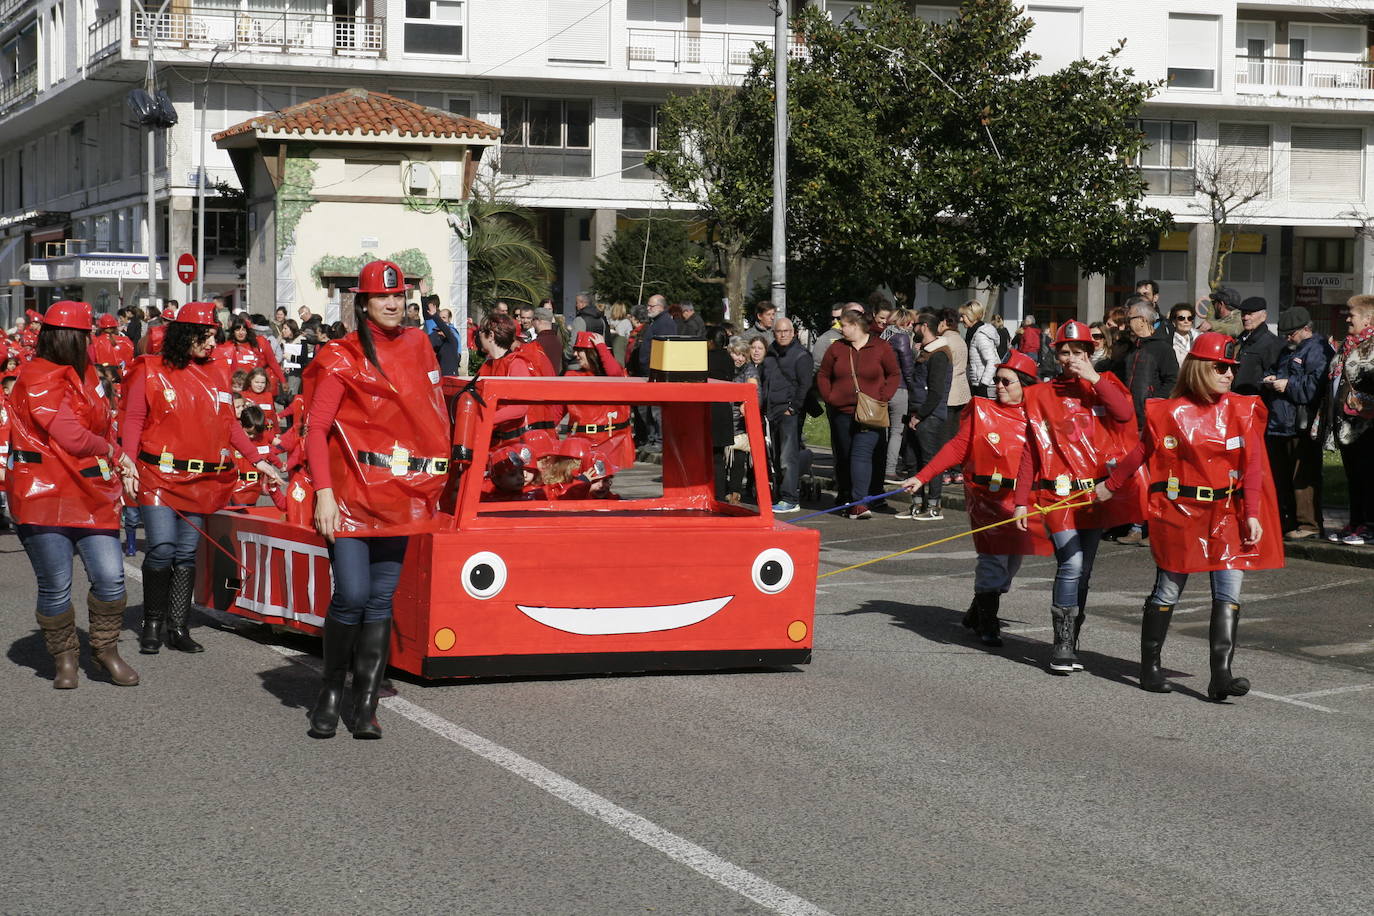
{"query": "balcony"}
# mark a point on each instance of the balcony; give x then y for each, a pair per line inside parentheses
(1306, 76)
(102, 39)
(22, 89)
(263, 31)
(713, 54)
(8, 9)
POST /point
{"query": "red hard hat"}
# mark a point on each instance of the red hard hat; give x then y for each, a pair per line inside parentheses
(586, 340)
(107, 323)
(202, 313)
(597, 466)
(381, 277)
(572, 447)
(512, 457)
(1216, 347)
(169, 313)
(1073, 331)
(68, 314)
(1020, 362)
(32, 315)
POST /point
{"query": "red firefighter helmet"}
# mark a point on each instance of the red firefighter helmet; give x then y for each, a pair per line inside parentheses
(202, 313)
(107, 323)
(1017, 361)
(586, 340)
(169, 313)
(381, 277)
(1216, 347)
(511, 458)
(32, 315)
(1074, 331)
(68, 314)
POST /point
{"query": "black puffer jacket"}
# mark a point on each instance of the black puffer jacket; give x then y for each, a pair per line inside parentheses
(1149, 369)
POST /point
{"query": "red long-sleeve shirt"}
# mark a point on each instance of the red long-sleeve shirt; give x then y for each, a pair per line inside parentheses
(1116, 401)
(73, 438)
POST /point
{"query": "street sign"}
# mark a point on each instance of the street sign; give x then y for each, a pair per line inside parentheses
(186, 267)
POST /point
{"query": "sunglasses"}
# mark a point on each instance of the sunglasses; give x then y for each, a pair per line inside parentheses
(1098, 337)
(1183, 317)
(1223, 368)
(1001, 382)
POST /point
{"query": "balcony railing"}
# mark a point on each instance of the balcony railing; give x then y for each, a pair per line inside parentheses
(710, 53)
(1316, 74)
(23, 88)
(102, 39)
(9, 7)
(277, 32)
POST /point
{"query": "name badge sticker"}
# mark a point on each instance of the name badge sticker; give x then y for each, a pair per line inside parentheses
(1234, 443)
(224, 397)
(434, 376)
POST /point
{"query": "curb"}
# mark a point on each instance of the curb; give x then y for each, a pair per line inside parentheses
(1314, 549)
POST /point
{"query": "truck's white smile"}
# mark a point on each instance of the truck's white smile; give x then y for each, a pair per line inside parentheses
(604, 621)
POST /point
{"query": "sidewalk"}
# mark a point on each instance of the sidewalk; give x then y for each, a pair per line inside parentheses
(1319, 551)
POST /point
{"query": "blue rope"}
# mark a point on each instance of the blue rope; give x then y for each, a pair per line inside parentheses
(870, 499)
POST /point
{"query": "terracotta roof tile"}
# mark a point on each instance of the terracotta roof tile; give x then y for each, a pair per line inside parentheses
(359, 111)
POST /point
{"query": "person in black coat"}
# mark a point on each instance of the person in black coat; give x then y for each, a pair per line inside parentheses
(1148, 367)
(719, 365)
(1259, 349)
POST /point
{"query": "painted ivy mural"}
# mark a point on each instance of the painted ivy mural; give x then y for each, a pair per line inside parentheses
(412, 262)
(294, 197)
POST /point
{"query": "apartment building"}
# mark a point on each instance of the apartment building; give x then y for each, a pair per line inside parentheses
(1275, 96)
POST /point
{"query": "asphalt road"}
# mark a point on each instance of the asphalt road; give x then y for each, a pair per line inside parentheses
(904, 771)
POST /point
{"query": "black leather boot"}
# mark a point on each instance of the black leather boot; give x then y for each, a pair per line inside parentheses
(1154, 626)
(1078, 631)
(179, 608)
(1225, 620)
(1062, 659)
(970, 621)
(157, 582)
(369, 664)
(339, 639)
(988, 624)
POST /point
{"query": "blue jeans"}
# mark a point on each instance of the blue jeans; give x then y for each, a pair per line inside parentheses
(171, 539)
(366, 571)
(1225, 586)
(50, 551)
(860, 449)
(786, 445)
(994, 571)
(1074, 551)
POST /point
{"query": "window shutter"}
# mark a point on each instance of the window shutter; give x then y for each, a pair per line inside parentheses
(580, 31)
(1057, 37)
(1243, 152)
(1194, 45)
(1327, 163)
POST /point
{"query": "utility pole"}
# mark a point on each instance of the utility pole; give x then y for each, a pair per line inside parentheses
(200, 178)
(150, 221)
(780, 50)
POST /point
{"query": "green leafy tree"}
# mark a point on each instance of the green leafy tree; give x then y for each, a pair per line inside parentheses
(709, 154)
(671, 265)
(505, 259)
(931, 151)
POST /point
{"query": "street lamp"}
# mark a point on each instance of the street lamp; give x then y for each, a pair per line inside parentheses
(778, 295)
(153, 110)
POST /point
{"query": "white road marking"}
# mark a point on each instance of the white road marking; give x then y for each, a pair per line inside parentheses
(1291, 701)
(1252, 599)
(1331, 691)
(701, 860)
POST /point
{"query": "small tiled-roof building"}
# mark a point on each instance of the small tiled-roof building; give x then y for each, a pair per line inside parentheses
(348, 178)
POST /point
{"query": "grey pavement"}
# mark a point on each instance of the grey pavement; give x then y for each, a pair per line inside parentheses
(904, 771)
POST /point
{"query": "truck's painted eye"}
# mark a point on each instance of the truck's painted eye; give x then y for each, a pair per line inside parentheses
(772, 571)
(484, 575)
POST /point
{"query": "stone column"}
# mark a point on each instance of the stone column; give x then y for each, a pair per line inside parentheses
(1364, 265)
(1092, 297)
(180, 237)
(603, 228)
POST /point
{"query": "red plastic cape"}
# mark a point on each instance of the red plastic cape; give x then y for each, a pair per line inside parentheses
(1204, 445)
(398, 420)
(997, 437)
(1075, 441)
(54, 490)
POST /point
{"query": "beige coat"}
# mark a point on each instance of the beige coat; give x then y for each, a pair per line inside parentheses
(959, 393)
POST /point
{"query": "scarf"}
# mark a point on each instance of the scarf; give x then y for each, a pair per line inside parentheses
(1347, 346)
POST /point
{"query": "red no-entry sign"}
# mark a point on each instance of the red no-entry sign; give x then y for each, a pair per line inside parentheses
(186, 267)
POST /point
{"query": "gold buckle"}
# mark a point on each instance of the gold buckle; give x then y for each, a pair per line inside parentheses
(1085, 483)
(195, 466)
(1206, 494)
(250, 476)
(440, 465)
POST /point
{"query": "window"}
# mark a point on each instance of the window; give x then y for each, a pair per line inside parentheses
(1328, 256)
(460, 106)
(1057, 36)
(1326, 163)
(579, 32)
(546, 137)
(1243, 157)
(435, 27)
(1244, 266)
(1255, 42)
(1194, 43)
(638, 135)
(938, 15)
(1169, 266)
(224, 233)
(1166, 163)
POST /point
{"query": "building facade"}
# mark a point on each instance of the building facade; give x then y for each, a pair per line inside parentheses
(1272, 96)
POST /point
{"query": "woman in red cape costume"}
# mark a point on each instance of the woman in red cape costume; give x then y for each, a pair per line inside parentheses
(1211, 505)
(989, 444)
(377, 448)
(179, 425)
(65, 493)
(1080, 425)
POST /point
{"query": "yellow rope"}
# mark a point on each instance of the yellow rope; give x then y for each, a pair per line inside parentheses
(1065, 503)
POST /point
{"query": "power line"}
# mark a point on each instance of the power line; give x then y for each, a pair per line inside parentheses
(538, 45)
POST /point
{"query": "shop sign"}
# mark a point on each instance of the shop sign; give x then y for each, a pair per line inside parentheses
(1307, 296)
(1329, 281)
